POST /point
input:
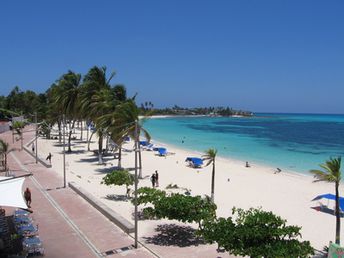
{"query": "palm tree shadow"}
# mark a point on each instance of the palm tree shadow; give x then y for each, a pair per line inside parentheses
(174, 235)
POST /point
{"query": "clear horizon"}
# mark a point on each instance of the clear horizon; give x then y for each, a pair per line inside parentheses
(266, 56)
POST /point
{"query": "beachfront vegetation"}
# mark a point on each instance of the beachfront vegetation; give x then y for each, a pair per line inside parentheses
(253, 232)
(210, 156)
(331, 173)
(119, 177)
(176, 206)
(68, 97)
(256, 233)
(205, 111)
(18, 127)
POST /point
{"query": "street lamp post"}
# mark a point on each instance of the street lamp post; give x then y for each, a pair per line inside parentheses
(64, 152)
(136, 181)
(36, 147)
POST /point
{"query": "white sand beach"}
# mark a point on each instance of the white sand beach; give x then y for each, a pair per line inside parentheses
(286, 194)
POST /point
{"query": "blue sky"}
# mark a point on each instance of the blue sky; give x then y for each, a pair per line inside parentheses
(277, 56)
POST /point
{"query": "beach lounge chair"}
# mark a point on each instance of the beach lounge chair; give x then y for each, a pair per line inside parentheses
(162, 151)
(194, 162)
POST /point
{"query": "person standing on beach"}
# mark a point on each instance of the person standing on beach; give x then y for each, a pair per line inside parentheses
(27, 196)
(33, 147)
(49, 157)
(156, 178)
(153, 180)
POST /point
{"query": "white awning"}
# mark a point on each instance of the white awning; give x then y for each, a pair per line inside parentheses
(11, 193)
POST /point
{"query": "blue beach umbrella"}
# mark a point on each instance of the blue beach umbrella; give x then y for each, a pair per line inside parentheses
(331, 197)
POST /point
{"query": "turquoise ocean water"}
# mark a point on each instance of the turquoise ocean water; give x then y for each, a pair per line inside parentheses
(297, 142)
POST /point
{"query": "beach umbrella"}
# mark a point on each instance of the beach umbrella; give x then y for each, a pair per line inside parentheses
(331, 197)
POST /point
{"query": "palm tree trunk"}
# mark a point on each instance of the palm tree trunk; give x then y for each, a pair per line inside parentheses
(60, 134)
(89, 141)
(337, 215)
(100, 148)
(70, 136)
(140, 161)
(120, 156)
(213, 182)
(81, 130)
(87, 131)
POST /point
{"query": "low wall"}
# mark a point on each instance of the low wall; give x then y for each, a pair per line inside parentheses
(121, 222)
(33, 154)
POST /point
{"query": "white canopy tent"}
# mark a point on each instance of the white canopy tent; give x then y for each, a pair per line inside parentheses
(11, 193)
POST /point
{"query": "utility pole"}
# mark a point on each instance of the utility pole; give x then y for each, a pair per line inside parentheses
(36, 137)
(136, 181)
(64, 151)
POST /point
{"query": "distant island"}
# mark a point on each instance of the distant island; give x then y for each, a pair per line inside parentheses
(182, 111)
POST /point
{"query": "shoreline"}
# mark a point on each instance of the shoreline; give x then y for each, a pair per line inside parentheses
(233, 160)
(288, 195)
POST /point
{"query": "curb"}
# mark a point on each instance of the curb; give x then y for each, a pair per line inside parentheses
(121, 222)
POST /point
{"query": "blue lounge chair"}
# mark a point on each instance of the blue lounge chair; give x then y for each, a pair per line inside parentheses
(162, 151)
(195, 162)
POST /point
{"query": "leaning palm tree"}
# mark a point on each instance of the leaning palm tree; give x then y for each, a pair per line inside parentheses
(126, 117)
(331, 173)
(210, 156)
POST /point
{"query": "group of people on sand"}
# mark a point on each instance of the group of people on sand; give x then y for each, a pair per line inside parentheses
(155, 179)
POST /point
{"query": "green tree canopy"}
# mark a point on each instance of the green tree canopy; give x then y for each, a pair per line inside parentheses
(176, 206)
(256, 233)
(119, 177)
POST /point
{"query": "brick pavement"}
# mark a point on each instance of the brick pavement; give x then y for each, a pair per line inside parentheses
(68, 225)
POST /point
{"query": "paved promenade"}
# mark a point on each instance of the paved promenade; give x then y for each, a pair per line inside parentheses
(68, 225)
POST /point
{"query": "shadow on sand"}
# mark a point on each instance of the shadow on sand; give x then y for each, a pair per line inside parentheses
(327, 210)
(117, 197)
(174, 235)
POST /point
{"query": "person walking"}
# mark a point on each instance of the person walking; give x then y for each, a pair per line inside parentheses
(49, 157)
(153, 180)
(27, 196)
(156, 178)
(33, 147)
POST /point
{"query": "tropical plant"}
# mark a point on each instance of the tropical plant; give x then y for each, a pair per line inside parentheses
(4, 149)
(18, 127)
(69, 98)
(176, 206)
(127, 116)
(45, 129)
(210, 156)
(119, 177)
(256, 233)
(331, 173)
(97, 99)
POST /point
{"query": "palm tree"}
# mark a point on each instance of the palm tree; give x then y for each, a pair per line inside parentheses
(96, 100)
(54, 108)
(18, 127)
(331, 173)
(125, 119)
(69, 97)
(210, 156)
(4, 149)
